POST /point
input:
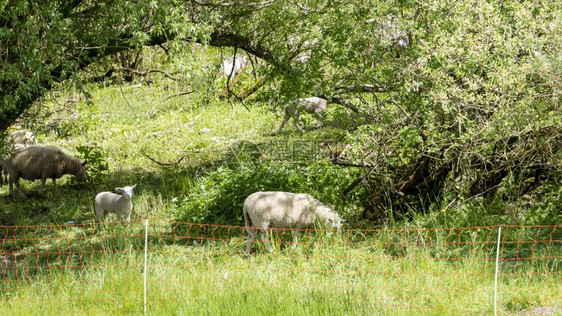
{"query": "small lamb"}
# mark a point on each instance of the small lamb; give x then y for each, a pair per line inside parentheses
(119, 204)
(263, 210)
(312, 105)
(41, 162)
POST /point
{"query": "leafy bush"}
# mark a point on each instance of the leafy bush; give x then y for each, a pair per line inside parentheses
(219, 196)
(94, 157)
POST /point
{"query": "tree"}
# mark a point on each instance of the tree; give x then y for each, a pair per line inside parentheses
(470, 110)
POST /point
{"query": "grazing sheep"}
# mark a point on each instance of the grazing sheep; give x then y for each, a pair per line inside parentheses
(237, 61)
(263, 210)
(312, 105)
(17, 140)
(119, 204)
(390, 31)
(41, 162)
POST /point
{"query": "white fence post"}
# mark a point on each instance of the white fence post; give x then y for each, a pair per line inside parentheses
(145, 259)
(497, 268)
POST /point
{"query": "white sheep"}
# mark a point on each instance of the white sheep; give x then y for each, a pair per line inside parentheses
(17, 140)
(41, 162)
(312, 105)
(232, 66)
(263, 210)
(23, 139)
(390, 32)
(119, 204)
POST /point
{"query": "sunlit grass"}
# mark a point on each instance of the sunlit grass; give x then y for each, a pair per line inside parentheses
(326, 273)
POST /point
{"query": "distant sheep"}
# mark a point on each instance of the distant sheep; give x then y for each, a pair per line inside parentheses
(41, 162)
(308, 47)
(312, 105)
(237, 61)
(119, 204)
(18, 140)
(390, 31)
(23, 139)
(388, 28)
(263, 210)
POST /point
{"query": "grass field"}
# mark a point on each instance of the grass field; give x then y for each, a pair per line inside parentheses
(65, 267)
(201, 270)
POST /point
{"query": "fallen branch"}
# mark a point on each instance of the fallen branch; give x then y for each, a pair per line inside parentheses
(341, 101)
(360, 180)
(233, 4)
(179, 94)
(165, 163)
(361, 88)
(303, 7)
(253, 89)
(146, 73)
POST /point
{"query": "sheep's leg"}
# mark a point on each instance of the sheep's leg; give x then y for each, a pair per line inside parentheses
(265, 239)
(119, 217)
(285, 120)
(43, 180)
(319, 122)
(296, 121)
(17, 183)
(295, 238)
(100, 217)
(251, 234)
(54, 185)
(11, 185)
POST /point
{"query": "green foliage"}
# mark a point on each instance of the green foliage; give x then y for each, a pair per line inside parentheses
(218, 197)
(95, 161)
(466, 119)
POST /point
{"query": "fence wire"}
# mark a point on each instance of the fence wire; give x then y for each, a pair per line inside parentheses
(428, 271)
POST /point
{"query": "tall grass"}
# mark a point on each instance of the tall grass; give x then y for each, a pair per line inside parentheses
(201, 269)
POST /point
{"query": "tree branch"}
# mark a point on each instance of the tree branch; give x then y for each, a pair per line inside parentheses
(164, 163)
(69, 7)
(234, 4)
(144, 73)
(179, 94)
(361, 88)
(303, 7)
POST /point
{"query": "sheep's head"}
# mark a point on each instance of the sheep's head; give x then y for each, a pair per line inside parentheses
(81, 174)
(127, 191)
(401, 42)
(332, 218)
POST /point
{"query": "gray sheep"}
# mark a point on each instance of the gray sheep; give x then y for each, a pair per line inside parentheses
(263, 210)
(312, 105)
(41, 162)
(119, 204)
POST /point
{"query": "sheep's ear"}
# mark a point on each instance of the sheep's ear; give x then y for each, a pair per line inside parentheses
(343, 220)
(84, 163)
(134, 185)
(119, 189)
